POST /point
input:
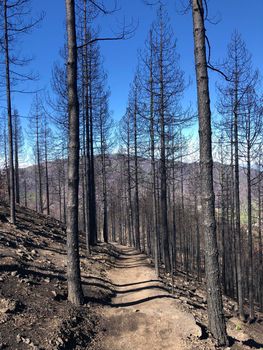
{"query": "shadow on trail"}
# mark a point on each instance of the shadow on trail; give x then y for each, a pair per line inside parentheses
(126, 291)
(143, 300)
(116, 266)
(128, 254)
(128, 258)
(122, 285)
(129, 262)
(252, 344)
(106, 302)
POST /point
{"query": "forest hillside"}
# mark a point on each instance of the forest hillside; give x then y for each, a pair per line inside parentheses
(33, 296)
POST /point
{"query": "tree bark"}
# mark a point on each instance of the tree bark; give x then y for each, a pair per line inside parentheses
(214, 298)
(16, 151)
(238, 240)
(131, 228)
(86, 133)
(92, 189)
(75, 293)
(10, 127)
(25, 190)
(46, 169)
(39, 170)
(260, 245)
(163, 170)
(153, 168)
(250, 234)
(136, 199)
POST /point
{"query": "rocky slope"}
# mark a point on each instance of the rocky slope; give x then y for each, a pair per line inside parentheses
(34, 312)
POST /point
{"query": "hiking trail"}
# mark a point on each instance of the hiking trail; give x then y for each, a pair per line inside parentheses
(143, 314)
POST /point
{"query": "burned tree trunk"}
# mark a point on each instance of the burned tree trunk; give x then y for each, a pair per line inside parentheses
(9, 115)
(214, 297)
(75, 293)
(136, 194)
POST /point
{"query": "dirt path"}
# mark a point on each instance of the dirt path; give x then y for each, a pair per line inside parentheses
(143, 315)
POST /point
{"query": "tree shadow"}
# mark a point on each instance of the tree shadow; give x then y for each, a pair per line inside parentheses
(9, 267)
(122, 285)
(107, 300)
(143, 300)
(125, 251)
(127, 291)
(114, 290)
(116, 266)
(251, 343)
(38, 275)
(129, 258)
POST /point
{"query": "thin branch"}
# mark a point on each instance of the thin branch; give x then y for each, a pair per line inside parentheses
(101, 39)
(124, 35)
(218, 71)
(103, 9)
(209, 64)
(27, 92)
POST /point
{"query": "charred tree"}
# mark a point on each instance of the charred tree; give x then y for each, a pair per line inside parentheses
(214, 298)
(75, 293)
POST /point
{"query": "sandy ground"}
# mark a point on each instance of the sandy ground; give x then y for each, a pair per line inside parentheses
(143, 315)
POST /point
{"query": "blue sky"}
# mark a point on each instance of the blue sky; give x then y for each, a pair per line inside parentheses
(120, 57)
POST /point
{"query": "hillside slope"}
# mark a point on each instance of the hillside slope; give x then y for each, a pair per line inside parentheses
(124, 303)
(33, 286)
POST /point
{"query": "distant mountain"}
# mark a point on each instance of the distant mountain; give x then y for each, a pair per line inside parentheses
(57, 170)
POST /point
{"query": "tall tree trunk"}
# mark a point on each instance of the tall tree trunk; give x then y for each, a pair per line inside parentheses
(232, 214)
(105, 202)
(75, 293)
(223, 222)
(64, 188)
(59, 198)
(250, 234)
(153, 168)
(46, 172)
(136, 199)
(131, 233)
(86, 133)
(183, 230)
(198, 254)
(85, 187)
(25, 190)
(16, 146)
(36, 186)
(214, 298)
(6, 163)
(260, 245)
(9, 115)
(92, 189)
(39, 167)
(104, 183)
(238, 240)
(163, 170)
(174, 230)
